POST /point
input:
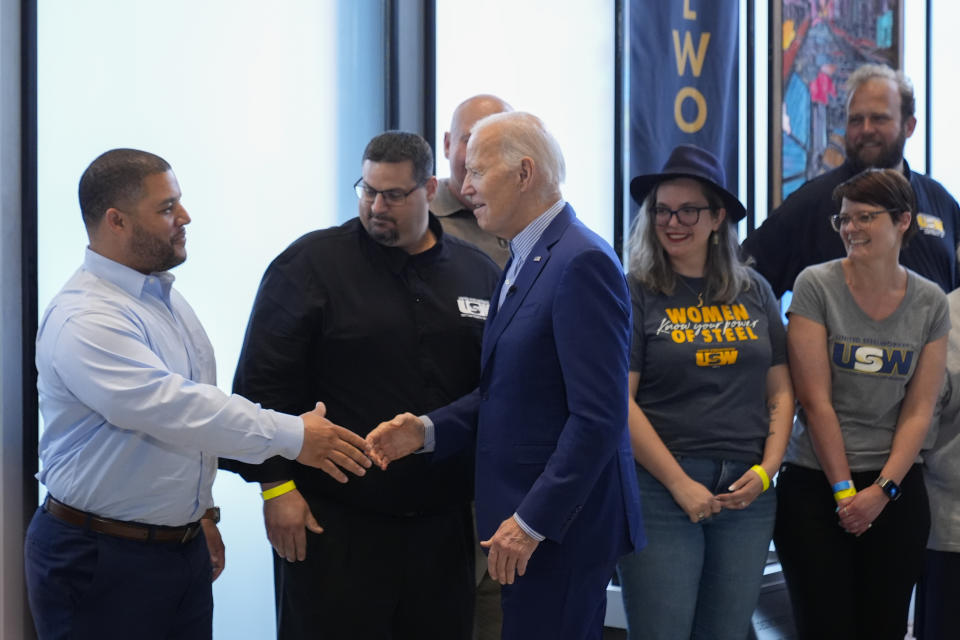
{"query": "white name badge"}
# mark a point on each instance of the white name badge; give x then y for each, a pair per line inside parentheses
(473, 307)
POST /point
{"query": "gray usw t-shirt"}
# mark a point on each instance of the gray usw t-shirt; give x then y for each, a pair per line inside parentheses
(870, 362)
(703, 367)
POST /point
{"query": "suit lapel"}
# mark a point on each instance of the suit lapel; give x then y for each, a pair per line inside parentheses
(529, 272)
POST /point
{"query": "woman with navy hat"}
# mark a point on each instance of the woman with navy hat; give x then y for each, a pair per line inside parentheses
(710, 412)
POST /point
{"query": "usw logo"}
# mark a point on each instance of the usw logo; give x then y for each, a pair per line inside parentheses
(863, 358)
(716, 357)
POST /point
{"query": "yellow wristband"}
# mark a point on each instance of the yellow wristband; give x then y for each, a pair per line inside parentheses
(846, 493)
(278, 490)
(764, 478)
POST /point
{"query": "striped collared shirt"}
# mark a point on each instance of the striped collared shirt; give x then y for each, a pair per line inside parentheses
(522, 244)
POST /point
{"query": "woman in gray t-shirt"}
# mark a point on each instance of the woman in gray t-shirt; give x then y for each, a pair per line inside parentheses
(867, 345)
(710, 409)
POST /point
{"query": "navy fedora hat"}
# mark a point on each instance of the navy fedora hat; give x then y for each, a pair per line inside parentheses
(690, 161)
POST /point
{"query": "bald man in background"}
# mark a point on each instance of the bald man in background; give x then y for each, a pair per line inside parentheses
(452, 207)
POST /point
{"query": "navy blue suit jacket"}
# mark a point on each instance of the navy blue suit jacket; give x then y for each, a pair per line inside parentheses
(550, 414)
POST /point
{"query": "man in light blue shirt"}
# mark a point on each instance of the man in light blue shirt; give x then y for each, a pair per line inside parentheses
(134, 424)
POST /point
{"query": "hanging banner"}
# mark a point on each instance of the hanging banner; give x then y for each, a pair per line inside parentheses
(684, 81)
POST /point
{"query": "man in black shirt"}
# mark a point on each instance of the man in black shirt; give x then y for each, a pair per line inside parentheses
(880, 118)
(377, 315)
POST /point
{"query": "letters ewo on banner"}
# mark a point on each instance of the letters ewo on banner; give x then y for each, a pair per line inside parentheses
(684, 84)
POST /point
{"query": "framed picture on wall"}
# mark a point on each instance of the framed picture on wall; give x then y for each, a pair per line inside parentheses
(817, 44)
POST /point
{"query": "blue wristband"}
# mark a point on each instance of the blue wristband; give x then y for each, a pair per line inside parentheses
(843, 485)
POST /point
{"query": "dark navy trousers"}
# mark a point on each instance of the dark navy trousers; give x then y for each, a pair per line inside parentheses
(82, 584)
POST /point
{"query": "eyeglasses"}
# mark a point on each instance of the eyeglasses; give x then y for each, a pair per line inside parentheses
(687, 216)
(862, 219)
(393, 197)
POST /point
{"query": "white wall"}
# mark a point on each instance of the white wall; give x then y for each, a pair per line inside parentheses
(553, 59)
(946, 96)
(914, 66)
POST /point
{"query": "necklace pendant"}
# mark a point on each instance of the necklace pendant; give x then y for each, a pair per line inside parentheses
(699, 294)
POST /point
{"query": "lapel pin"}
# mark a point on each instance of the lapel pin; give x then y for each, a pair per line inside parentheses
(536, 259)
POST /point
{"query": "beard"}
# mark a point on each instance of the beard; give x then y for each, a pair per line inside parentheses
(153, 253)
(889, 156)
(387, 235)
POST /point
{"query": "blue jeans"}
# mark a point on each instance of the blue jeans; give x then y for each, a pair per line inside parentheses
(696, 580)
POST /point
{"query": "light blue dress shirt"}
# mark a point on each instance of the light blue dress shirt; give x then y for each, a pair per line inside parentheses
(133, 423)
(522, 244)
(520, 247)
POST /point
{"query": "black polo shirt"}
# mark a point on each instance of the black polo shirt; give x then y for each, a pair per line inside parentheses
(371, 331)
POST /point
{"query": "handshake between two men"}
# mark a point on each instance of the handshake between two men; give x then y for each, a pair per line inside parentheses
(334, 449)
(330, 447)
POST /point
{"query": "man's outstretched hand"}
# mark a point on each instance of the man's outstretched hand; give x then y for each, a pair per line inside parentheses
(331, 448)
(395, 438)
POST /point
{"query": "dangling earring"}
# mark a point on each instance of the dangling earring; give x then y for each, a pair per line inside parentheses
(714, 238)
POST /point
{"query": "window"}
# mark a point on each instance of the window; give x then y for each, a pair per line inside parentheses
(529, 54)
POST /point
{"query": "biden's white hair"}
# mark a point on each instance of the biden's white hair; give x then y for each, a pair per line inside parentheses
(524, 135)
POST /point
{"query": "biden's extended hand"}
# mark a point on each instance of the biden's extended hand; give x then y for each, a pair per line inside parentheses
(330, 448)
(509, 550)
(396, 438)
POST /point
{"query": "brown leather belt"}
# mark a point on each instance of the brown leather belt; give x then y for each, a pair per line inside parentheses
(119, 528)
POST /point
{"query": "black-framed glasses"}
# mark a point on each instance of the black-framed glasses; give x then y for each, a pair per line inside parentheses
(861, 219)
(393, 197)
(687, 216)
